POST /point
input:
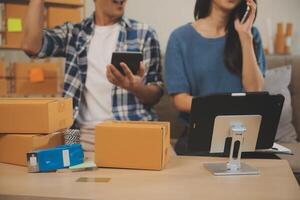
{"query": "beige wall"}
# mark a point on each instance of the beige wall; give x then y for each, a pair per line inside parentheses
(280, 11)
(166, 15)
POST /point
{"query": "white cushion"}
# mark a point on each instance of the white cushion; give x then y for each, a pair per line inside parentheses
(277, 81)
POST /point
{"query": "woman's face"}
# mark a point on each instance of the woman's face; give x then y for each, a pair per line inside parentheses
(226, 5)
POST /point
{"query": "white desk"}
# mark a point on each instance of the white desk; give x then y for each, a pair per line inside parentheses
(184, 178)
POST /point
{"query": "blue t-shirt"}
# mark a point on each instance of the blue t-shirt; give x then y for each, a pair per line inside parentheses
(195, 64)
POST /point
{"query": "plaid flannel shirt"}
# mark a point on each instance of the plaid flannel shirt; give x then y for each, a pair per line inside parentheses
(72, 42)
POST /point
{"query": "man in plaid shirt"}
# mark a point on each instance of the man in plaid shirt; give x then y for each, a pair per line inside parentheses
(99, 91)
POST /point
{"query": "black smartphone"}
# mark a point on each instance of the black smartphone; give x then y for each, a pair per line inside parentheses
(132, 59)
(246, 15)
(243, 11)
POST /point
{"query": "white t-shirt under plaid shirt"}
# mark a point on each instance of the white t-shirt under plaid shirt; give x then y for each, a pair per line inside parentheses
(96, 105)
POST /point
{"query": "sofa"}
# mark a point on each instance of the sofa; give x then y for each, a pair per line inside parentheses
(277, 61)
(167, 112)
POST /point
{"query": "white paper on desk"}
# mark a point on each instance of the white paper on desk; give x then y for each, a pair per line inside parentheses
(278, 149)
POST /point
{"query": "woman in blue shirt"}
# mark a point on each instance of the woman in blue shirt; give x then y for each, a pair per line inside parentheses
(215, 54)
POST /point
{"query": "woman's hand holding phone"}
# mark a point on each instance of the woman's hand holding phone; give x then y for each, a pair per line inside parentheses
(246, 15)
(129, 81)
(243, 27)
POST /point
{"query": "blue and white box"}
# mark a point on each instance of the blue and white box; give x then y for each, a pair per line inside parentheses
(46, 160)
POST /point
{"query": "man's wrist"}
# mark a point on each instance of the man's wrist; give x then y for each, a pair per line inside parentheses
(136, 90)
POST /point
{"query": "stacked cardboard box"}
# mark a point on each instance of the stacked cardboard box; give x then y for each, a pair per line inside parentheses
(37, 79)
(66, 2)
(3, 80)
(30, 124)
(15, 15)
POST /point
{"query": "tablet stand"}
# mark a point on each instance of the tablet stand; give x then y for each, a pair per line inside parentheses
(234, 166)
(250, 119)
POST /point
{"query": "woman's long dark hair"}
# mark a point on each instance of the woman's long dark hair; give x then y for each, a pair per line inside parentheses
(233, 56)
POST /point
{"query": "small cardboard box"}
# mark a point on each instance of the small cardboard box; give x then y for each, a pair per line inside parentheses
(30, 115)
(14, 147)
(132, 145)
(37, 78)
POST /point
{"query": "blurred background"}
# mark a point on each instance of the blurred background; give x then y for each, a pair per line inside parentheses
(166, 15)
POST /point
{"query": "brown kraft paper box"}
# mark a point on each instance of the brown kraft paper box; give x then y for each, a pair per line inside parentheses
(37, 78)
(35, 115)
(13, 147)
(132, 145)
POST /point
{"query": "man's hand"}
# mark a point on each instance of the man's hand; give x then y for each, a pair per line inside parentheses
(130, 81)
(147, 94)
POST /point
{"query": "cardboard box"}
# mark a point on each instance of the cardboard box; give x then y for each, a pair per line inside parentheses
(16, 12)
(37, 78)
(66, 2)
(133, 145)
(29, 115)
(14, 147)
(70, 14)
(47, 87)
(49, 69)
